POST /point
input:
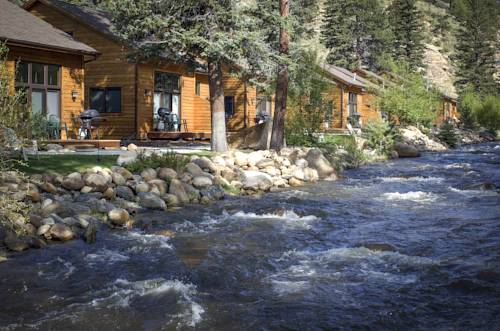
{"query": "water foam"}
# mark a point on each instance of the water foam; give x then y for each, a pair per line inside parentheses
(415, 196)
(411, 179)
(105, 255)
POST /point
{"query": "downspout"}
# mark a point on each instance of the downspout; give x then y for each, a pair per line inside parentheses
(341, 106)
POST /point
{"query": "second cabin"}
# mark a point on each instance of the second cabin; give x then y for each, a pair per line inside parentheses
(128, 94)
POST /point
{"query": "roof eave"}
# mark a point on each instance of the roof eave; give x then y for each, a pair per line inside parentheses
(22, 43)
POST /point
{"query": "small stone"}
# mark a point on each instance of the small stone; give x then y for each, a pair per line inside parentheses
(14, 243)
(118, 178)
(97, 181)
(151, 201)
(132, 147)
(142, 187)
(48, 187)
(205, 200)
(73, 182)
(48, 221)
(294, 182)
(202, 182)
(171, 200)
(86, 190)
(35, 219)
(125, 192)
(109, 194)
(61, 232)
(43, 229)
(167, 174)
(118, 216)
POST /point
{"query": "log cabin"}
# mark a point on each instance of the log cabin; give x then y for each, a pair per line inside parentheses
(129, 93)
(353, 99)
(45, 62)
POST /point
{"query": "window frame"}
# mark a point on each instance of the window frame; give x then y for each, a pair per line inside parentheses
(352, 102)
(197, 87)
(229, 97)
(105, 91)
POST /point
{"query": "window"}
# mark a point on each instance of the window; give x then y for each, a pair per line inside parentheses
(167, 82)
(106, 100)
(229, 106)
(353, 104)
(197, 88)
(42, 86)
(329, 111)
(167, 95)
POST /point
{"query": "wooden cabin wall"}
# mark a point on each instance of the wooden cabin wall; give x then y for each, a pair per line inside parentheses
(242, 93)
(368, 109)
(111, 69)
(71, 76)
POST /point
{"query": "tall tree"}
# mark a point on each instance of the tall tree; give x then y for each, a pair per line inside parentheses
(278, 133)
(477, 42)
(355, 32)
(406, 24)
(187, 31)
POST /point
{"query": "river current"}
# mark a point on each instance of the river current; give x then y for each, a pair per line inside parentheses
(403, 245)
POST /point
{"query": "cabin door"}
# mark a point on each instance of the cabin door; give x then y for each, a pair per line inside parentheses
(167, 95)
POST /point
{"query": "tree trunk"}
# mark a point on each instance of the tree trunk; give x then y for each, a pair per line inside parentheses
(216, 86)
(278, 134)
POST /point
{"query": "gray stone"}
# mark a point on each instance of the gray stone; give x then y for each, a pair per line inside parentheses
(206, 164)
(122, 171)
(61, 232)
(171, 199)
(48, 221)
(43, 229)
(125, 192)
(118, 216)
(90, 233)
(142, 187)
(167, 174)
(177, 188)
(67, 209)
(118, 178)
(265, 163)
(201, 182)
(48, 187)
(126, 158)
(192, 192)
(73, 181)
(256, 180)
(97, 181)
(213, 193)
(316, 160)
(194, 169)
(160, 184)
(151, 201)
(14, 243)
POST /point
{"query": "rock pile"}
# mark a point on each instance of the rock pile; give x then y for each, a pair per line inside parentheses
(64, 207)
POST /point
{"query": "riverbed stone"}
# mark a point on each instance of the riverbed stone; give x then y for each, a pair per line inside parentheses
(149, 174)
(109, 194)
(201, 181)
(176, 188)
(118, 216)
(61, 232)
(43, 229)
(194, 169)
(171, 200)
(160, 185)
(125, 192)
(142, 187)
(256, 180)
(66, 209)
(316, 160)
(405, 150)
(240, 158)
(264, 163)
(151, 201)
(212, 193)
(206, 164)
(15, 243)
(118, 178)
(295, 182)
(73, 181)
(48, 187)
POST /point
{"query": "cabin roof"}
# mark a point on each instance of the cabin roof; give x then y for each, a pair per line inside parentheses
(17, 26)
(345, 76)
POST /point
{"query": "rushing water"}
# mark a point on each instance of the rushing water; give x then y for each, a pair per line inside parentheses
(293, 260)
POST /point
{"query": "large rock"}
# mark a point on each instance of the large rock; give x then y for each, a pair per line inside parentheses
(122, 171)
(414, 137)
(149, 174)
(405, 150)
(14, 243)
(201, 182)
(61, 232)
(160, 184)
(167, 174)
(316, 160)
(240, 158)
(213, 193)
(256, 180)
(151, 201)
(118, 178)
(9, 140)
(96, 181)
(48, 187)
(255, 137)
(126, 158)
(125, 192)
(194, 169)
(118, 216)
(73, 182)
(142, 187)
(206, 164)
(177, 188)
(67, 209)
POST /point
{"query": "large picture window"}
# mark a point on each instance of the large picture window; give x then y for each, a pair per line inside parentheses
(42, 85)
(106, 100)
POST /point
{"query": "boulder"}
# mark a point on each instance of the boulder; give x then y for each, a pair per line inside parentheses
(73, 182)
(142, 187)
(15, 243)
(194, 169)
(264, 163)
(171, 199)
(316, 160)
(126, 158)
(256, 180)
(118, 216)
(61, 232)
(405, 150)
(66, 209)
(191, 191)
(201, 182)
(294, 182)
(122, 171)
(206, 164)
(118, 178)
(413, 136)
(151, 201)
(160, 184)
(97, 181)
(125, 192)
(213, 193)
(109, 194)
(167, 174)
(149, 174)
(240, 158)
(256, 157)
(48, 187)
(132, 147)
(255, 137)
(301, 163)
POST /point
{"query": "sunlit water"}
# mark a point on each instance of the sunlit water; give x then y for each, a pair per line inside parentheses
(293, 260)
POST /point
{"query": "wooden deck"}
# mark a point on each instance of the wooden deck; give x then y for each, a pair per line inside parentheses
(102, 143)
(156, 135)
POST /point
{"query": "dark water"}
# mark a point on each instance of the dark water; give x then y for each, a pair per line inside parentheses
(289, 261)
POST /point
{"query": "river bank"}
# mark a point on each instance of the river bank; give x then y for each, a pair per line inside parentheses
(417, 234)
(60, 208)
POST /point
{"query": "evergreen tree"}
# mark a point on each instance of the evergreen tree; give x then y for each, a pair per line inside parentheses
(476, 45)
(406, 24)
(355, 32)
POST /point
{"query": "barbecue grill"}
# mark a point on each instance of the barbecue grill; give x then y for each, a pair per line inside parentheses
(90, 121)
(170, 121)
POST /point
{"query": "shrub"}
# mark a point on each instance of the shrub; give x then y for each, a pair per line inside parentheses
(169, 159)
(447, 134)
(380, 136)
(468, 107)
(352, 157)
(488, 115)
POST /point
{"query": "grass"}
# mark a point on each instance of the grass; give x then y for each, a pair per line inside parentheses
(65, 164)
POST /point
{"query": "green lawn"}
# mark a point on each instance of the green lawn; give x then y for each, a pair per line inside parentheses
(65, 164)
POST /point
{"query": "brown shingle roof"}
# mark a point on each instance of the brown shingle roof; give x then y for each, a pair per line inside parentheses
(346, 76)
(20, 27)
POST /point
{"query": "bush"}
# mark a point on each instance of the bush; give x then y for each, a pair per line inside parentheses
(353, 156)
(447, 134)
(468, 107)
(169, 159)
(380, 136)
(488, 115)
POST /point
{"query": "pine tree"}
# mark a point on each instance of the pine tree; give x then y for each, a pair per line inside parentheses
(476, 45)
(406, 24)
(354, 32)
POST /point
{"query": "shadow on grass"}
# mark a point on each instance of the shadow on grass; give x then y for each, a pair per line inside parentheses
(64, 164)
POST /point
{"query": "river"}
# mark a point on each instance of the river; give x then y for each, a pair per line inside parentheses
(291, 260)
